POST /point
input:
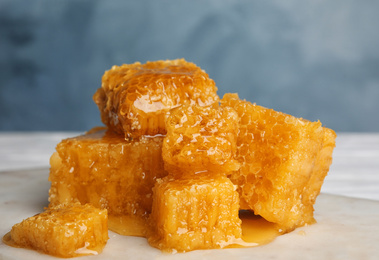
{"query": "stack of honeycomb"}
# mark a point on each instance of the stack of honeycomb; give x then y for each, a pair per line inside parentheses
(196, 206)
(180, 162)
(115, 168)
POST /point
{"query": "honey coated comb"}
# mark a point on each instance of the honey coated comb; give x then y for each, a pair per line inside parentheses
(200, 140)
(104, 169)
(284, 161)
(64, 231)
(198, 213)
(134, 98)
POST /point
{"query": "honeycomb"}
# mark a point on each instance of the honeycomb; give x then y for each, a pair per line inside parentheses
(64, 231)
(107, 171)
(200, 140)
(134, 98)
(190, 214)
(284, 161)
(175, 164)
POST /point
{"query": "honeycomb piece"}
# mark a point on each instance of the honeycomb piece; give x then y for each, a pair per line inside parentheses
(134, 98)
(190, 214)
(64, 231)
(284, 161)
(107, 171)
(321, 167)
(200, 140)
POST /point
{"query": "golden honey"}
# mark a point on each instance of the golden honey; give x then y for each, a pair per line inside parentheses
(200, 140)
(284, 161)
(194, 213)
(65, 231)
(134, 98)
(186, 170)
(107, 171)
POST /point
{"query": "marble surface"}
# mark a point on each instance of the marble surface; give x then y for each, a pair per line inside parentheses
(346, 229)
(347, 211)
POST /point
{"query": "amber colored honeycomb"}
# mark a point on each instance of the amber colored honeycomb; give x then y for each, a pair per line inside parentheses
(284, 161)
(190, 214)
(107, 171)
(64, 231)
(134, 98)
(200, 140)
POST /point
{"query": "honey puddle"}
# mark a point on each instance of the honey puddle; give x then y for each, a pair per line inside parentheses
(127, 225)
(256, 230)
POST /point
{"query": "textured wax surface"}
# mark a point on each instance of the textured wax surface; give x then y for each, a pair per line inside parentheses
(200, 140)
(134, 99)
(64, 231)
(190, 214)
(284, 161)
(104, 169)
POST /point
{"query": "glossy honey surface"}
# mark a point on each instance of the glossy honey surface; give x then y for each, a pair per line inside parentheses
(104, 169)
(134, 98)
(284, 161)
(63, 231)
(200, 140)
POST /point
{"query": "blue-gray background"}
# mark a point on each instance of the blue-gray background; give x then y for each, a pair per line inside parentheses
(314, 59)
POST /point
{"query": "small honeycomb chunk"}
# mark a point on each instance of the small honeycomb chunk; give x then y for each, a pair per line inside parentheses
(64, 231)
(284, 161)
(200, 140)
(134, 98)
(107, 171)
(190, 214)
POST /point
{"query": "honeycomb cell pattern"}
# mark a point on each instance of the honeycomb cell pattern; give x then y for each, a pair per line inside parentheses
(284, 161)
(104, 169)
(200, 140)
(197, 213)
(183, 162)
(134, 99)
(66, 230)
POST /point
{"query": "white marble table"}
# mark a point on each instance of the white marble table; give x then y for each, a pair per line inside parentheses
(354, 172)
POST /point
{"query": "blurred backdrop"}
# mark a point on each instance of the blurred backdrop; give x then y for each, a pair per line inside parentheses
(314, 59)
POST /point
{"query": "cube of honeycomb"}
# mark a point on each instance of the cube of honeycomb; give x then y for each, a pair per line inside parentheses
(197, 213)
(200, 140)
(64, 231)
(107, 171)
(134, 98)
(284, 161)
